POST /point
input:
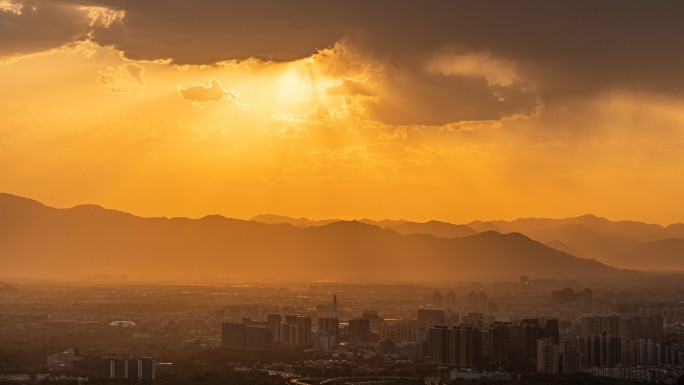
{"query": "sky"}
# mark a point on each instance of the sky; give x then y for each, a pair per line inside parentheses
(414, 109)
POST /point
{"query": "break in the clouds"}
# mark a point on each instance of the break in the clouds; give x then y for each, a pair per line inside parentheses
(207, 93)
(126, 78)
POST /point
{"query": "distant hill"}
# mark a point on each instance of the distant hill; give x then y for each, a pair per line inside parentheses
(436, 228)
(665, 254)
(586, 243)
(40, 241)
(588, 236)
(384, 223)
(299, 222)
(9, 291)
(305, 222)
(558, 245)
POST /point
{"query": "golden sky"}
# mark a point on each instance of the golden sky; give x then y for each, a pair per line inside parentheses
(414, 109)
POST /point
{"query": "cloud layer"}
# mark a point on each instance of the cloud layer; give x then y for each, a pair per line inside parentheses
(207, 93)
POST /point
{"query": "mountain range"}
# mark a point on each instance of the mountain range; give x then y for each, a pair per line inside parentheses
(41, 241)
(626, 244)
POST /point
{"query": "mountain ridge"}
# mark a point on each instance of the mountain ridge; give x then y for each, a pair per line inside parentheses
(41, 240)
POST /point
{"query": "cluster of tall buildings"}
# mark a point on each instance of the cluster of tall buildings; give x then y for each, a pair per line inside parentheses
(476, 302)
(603, 342)
(438, 299)
(291, 330)
(604, 350)
(458, 346)
(243, 335)
(128, 369)
(584, 299)
(627, 328)
(473, 339)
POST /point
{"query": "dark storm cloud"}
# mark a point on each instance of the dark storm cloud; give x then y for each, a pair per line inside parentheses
(558, 49)
(37, 25)
(569, 45)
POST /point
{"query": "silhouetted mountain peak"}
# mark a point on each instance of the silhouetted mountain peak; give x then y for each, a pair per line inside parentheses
(353, 225)
(15, 200)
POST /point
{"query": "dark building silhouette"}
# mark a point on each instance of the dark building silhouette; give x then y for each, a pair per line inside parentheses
(428, 317)
(359, 330)
(273, 321)
(629, 328)
(369, 314)
(239, 335)
(459, 346)
(602, 350)
(530, 332)
(552, 331)
(233, 335)
(331, 326)
(499, 340)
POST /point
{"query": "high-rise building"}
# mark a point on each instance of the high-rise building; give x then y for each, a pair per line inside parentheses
(437, 299)
(359, 330)
(438, 345)
(602, 350)
(459, 346)
(469, 346)
(571, 362)
(427, 317)
(552, 331)
(499, 340)
(548, 357)
(472, 301)
(233, 334)
(133, 368)
(296, 330)
(451, 299)
(258, 337)
(330, 326)
(335, 313)
(327, 335)
(406, 331)
(586, 301)
(273, 321)
(239, 313)
(567, 296)
(514, 339)
(529, 334)
(369, 314)
(626, 328)
(240, 335)
(482, 302)
(323, 342)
